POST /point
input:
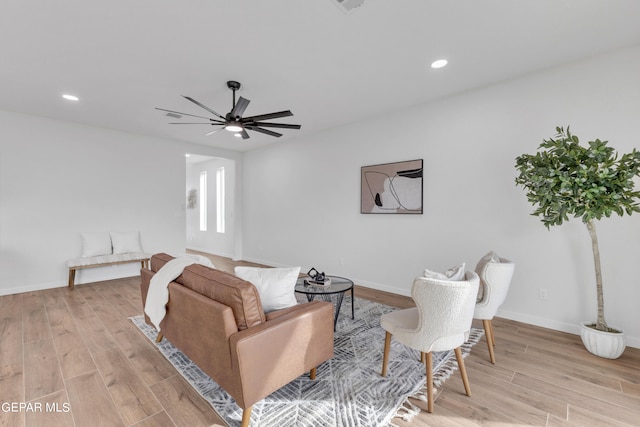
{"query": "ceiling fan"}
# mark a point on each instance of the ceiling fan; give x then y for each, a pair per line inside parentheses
(233, 120)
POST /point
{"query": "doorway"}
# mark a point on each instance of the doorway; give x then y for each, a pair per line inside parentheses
(210, 192)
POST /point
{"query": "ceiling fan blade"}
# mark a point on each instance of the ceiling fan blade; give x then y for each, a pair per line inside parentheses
(239, 108)
(265, 131)
(194, 123)
(184, 114)
(212, 132)
(203, 106)
(257, 118)
(244, 134)
(276, 125)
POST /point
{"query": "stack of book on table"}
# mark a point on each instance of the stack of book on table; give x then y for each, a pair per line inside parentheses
(326, 281)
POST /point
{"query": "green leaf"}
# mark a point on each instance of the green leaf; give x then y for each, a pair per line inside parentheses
(565, 178)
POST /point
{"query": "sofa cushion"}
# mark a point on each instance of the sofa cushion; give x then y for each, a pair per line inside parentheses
(227, 289)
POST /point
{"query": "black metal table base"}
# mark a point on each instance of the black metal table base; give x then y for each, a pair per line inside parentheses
(340, 297)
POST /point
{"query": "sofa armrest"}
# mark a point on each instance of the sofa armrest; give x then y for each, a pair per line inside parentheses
(274, 353)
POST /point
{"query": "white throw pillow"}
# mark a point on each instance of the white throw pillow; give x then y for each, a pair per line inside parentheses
(454, 273)
(488, 258)
(125, 242)
(95, 244)
(275, 285)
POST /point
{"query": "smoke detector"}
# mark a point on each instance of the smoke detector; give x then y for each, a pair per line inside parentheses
(347, 5)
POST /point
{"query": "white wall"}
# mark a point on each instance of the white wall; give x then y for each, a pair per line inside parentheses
(301, 197)
(59, 179)
(211, 241)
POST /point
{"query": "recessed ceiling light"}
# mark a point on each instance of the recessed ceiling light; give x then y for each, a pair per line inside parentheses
(187, 155)
(70, 97)
(439, 63)
(237, 135)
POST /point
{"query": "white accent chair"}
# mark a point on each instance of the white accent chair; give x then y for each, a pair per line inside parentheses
(495, 279)
(440, 322)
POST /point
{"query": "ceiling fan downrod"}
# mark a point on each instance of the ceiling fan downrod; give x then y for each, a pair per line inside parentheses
(234, 86)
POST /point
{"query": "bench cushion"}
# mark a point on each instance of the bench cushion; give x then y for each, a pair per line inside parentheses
(107, 259)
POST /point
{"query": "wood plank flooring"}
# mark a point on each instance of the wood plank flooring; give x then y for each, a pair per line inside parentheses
(76, 360)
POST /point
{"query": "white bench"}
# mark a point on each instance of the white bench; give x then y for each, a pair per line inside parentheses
(105, 260)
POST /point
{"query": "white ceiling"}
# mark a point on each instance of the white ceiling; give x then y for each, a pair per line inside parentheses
(123, 58)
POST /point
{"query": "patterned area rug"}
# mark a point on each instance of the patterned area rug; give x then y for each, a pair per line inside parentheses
(348, 390)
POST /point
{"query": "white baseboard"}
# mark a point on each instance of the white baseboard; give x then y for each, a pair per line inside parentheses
(365, 283)
(520, 317)
(63, 284)
(555, 325)
(382, 287)
(209, 251)
(35, 287)
(85, 275)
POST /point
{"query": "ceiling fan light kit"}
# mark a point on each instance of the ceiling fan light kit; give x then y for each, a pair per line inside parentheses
(233, 127)
(233, 120)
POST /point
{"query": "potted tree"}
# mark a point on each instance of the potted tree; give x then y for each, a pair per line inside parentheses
(565, 178)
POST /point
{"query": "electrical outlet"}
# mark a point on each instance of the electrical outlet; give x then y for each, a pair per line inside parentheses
(543, 294)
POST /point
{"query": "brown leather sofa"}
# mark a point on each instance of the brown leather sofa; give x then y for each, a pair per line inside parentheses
(217, 320)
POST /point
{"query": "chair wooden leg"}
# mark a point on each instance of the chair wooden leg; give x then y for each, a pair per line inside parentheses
(312, 374)
(422, 357)
(488, 332)
(463, 371)
(428, 364)
(159, 337)
(385, 355)
(246, 416)
(493, 336)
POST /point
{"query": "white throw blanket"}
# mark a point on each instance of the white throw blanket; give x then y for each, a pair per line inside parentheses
(158, 294)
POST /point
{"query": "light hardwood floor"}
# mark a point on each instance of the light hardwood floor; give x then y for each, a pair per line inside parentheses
(76, 360)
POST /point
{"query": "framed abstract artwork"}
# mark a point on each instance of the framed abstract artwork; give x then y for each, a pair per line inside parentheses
(392, 188)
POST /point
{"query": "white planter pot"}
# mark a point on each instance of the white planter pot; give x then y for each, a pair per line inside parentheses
(609, 345)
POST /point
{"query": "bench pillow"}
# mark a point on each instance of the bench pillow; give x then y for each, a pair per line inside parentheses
(96, 244)
(125, 242)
